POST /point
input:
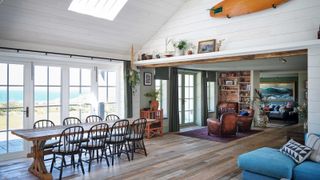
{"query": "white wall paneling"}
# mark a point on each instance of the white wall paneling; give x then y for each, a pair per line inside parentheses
(313, 89)
(293, 21)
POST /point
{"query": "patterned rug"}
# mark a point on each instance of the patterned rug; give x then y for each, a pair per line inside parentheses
(203, 134)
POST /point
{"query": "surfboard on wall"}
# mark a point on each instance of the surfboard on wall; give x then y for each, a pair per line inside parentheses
(231, 8)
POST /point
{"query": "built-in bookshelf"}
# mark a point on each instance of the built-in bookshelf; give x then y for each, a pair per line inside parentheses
(235, 87)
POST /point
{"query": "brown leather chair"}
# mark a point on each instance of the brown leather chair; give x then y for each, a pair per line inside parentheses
(226, 126)
(244, 122)
(227, 107)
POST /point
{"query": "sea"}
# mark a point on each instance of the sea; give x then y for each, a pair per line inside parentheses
(16, 95)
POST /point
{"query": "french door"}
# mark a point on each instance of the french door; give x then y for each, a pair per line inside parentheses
(186, 84)
(14, 105)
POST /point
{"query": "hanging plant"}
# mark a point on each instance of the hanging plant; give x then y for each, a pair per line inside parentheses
(133, 79)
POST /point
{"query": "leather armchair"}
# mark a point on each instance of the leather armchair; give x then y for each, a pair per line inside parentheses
(227, 107)
(227, 125)
(244, 122)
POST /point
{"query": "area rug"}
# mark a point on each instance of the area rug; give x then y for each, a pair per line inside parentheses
(203, 134)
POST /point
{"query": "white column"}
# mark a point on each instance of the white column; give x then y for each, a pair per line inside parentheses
(314, 89)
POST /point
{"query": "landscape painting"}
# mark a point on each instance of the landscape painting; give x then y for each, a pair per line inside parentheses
(278, 91)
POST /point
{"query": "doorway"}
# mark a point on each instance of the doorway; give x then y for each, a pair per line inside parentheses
(186, 85)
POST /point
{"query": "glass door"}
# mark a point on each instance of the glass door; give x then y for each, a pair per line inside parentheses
(14, 111)
(47, 93)
(186, 83)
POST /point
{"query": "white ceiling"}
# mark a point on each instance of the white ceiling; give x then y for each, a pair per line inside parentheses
(48, 22)
(295, 63)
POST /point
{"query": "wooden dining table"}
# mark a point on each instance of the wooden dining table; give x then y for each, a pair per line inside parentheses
(41, 135)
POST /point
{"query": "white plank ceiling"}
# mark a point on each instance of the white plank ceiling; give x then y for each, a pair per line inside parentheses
(49, 23)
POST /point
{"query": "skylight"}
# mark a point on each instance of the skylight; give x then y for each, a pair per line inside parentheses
(106, 9)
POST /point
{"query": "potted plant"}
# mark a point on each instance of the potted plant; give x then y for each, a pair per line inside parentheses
(259, 102)
(153, 95)
(133, 79)
(181, 46)
(303, 115)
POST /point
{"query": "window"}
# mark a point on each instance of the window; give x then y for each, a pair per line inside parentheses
(47, 93)
(211, 96)
(107, 91)
(161, 86)
(105, 9)
(80, 97)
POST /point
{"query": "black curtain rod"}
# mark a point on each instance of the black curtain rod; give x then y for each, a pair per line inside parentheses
(65, 54)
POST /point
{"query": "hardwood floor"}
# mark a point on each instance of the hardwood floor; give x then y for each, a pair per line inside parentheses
(169, 157)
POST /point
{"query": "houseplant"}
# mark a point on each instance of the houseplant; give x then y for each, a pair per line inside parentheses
(303, 114)
(133, 79)
(180, 46)
(153, 95)
(259, 102)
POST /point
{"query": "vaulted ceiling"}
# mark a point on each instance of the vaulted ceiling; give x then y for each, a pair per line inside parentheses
(49, 23)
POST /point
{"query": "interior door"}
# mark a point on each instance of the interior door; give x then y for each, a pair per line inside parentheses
(14, 105)
(186, 84)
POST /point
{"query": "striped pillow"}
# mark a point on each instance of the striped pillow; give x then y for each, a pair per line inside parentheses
(313, 142)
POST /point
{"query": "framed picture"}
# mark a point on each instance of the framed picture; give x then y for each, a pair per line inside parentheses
(278, 91)
(229, 83)
(147, 80)
(207, 46)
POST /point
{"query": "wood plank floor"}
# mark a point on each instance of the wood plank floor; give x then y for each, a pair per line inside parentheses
(171, 156)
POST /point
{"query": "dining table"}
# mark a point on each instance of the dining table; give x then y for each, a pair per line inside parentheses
(39, 137)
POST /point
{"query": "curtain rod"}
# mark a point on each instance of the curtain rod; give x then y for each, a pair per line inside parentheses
(65, 54)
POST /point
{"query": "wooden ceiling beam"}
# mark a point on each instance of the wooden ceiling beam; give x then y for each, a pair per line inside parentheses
(231, 58)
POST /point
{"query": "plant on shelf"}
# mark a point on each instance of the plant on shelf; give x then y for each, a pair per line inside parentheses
(153, 95)
(181, 46)
(133, 79)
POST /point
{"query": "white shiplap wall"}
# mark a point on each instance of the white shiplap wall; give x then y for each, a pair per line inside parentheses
(314, 89)
(296, 20)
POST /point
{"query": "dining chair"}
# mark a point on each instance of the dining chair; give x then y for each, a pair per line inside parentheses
(136, 136)
(117, 139)
(70, 140)
(97, 136)
(93, 118)
(71, 121)
(50, 143)
(112, 117)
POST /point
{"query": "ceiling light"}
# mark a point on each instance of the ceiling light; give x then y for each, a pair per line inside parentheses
(106, 9)
(283, 60)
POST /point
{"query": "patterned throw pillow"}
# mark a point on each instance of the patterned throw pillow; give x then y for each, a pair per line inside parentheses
(296, 151)
(313, 141)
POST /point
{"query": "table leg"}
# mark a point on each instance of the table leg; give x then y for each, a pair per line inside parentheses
(38, 167)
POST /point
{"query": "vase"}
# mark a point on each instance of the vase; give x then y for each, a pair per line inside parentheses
(154, 105)
(179, 52)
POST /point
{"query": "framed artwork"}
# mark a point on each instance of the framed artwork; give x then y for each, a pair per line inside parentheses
(278, 91)
(147, 80)
(207, 46)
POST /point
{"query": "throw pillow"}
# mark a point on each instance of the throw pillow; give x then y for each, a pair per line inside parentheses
(296, 151)
(313, 141)
(244, 113)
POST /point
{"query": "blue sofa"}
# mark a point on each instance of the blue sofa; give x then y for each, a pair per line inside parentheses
(268, 163)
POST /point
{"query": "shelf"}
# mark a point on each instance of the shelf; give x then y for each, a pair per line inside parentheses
(229, 85)
(228, 90)
(215, 57)
(244, 82)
